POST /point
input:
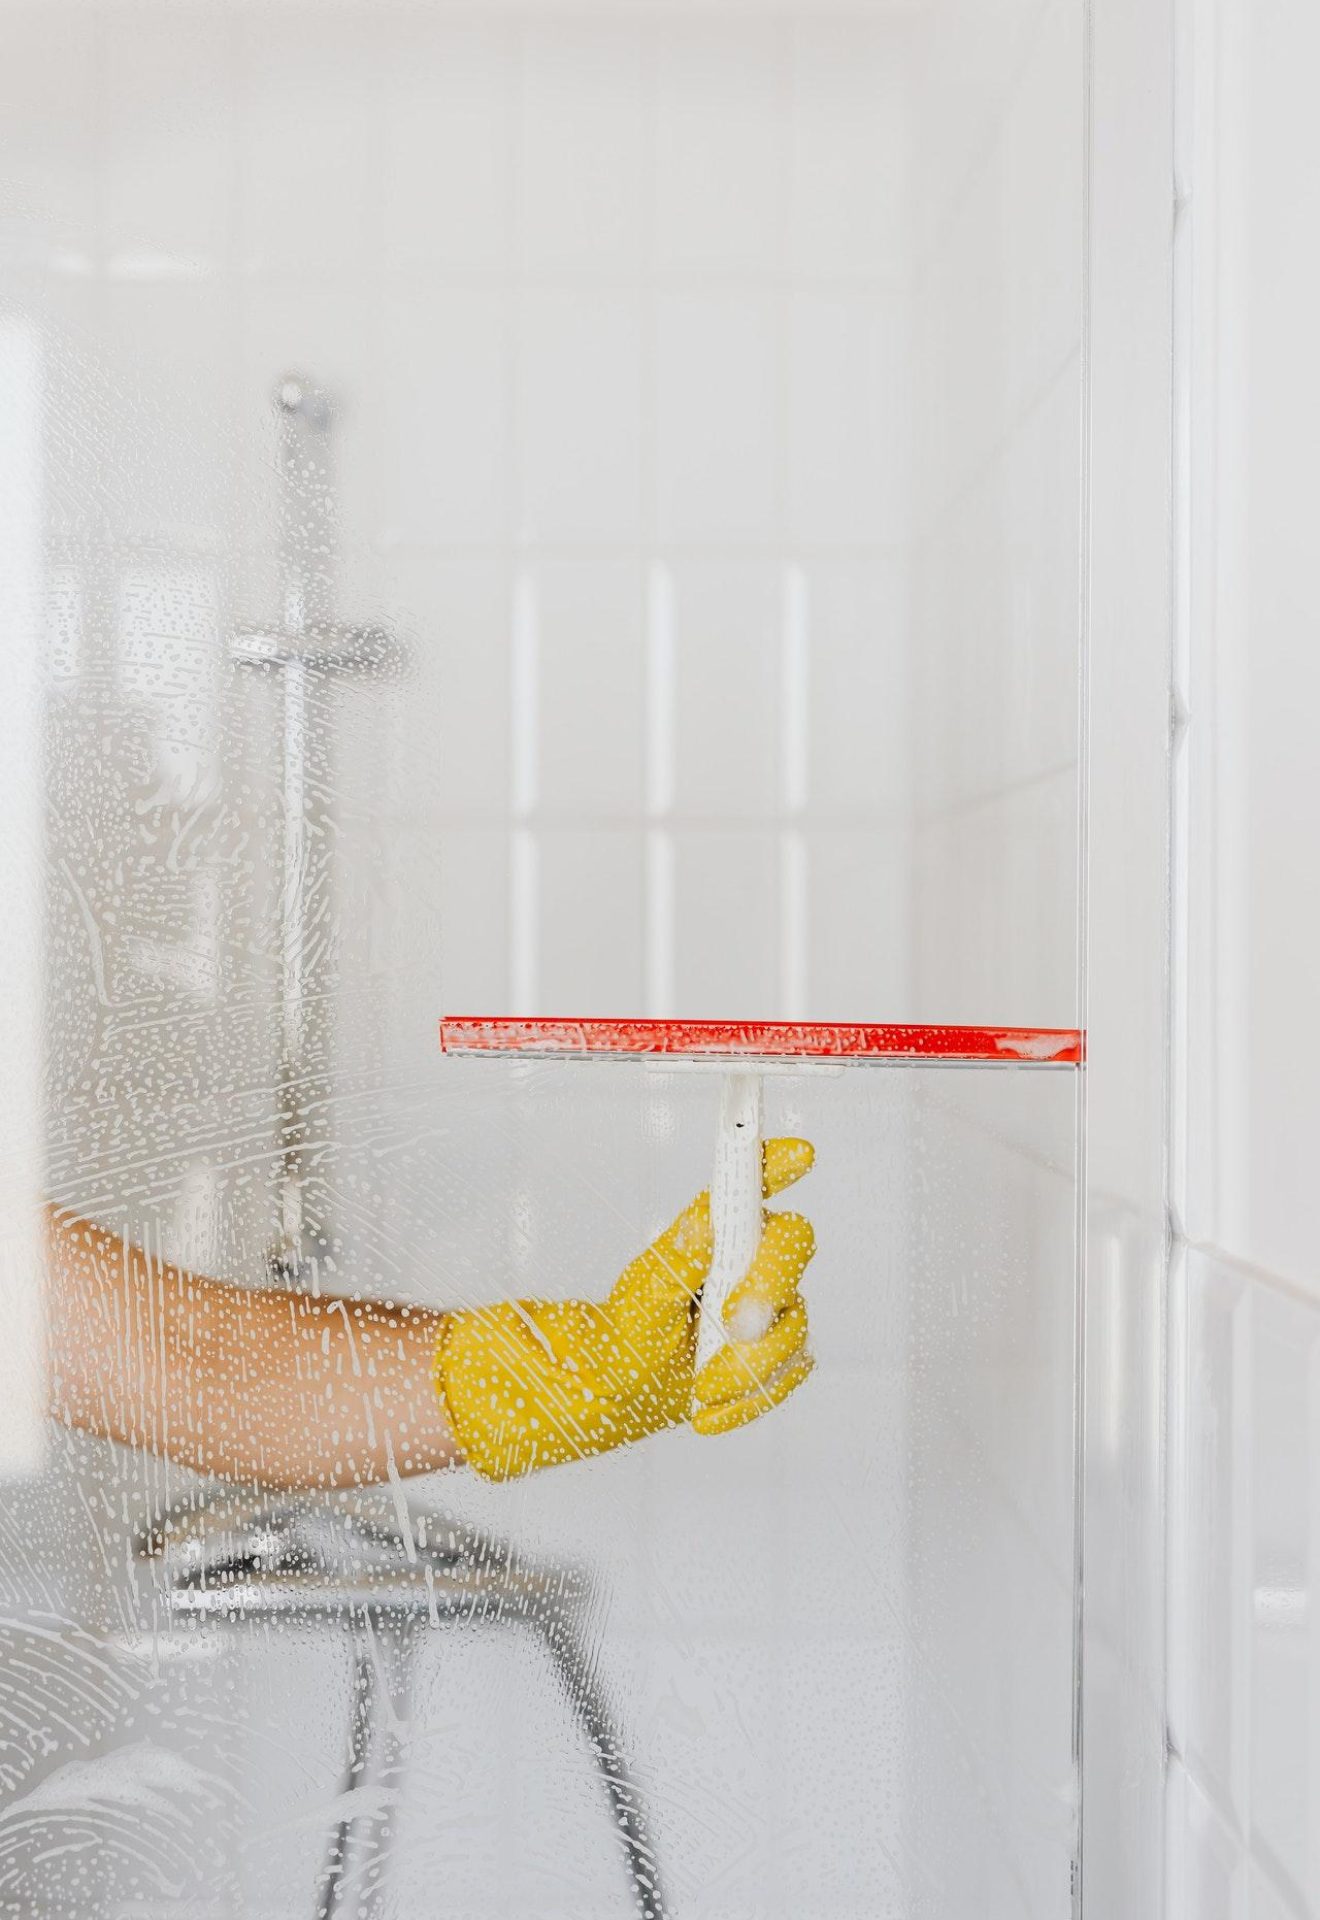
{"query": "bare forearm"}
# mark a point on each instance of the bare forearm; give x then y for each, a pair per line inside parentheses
(280, 1387)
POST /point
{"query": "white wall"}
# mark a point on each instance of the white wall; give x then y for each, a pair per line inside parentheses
(1245, 1613)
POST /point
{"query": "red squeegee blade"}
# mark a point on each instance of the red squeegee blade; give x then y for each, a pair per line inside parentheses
(764, 1039)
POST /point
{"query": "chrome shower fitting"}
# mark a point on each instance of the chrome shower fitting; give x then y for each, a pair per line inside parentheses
(388, 1576)
(305, 647)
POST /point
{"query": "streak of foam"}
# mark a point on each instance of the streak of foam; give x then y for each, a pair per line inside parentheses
(137, 1822)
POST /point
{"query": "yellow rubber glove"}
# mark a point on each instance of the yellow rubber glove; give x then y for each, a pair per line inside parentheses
(529, 1383)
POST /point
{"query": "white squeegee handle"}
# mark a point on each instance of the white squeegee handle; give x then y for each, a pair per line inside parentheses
(735, 1206)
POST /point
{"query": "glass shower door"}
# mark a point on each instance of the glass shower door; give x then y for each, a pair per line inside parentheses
(558, 512)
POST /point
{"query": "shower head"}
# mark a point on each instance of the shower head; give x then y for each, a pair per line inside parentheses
(296, 394)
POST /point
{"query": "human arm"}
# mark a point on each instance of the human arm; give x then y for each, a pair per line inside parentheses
(267, 1384)
(292, 1389)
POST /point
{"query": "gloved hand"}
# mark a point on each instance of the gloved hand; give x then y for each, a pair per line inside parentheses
(529, 1383)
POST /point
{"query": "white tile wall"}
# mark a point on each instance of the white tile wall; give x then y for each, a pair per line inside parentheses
(587, 958)
(720, 150)
(1285, 1793)
(590, 615)
(1243, 1650)
(857, 887)
(1209, 1655)
(719, 469)
(170, 352)
(166, 183)
(850, 181)
(447, 156)
(1246, 1530)
(302, 162)
(858, 754)
(997, 455)
(727, 949)
(846, 451)
(967, 55)
(727, 620)
(1207, 1869)
(1001, 587)
(447, 725)
(1254, 906)
(995, 903)
(579, 409)
(439, 388)
(581, 191)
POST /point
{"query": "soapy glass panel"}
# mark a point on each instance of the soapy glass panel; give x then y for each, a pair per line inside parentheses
(547, 382)
(821, 1666)
(840, 1642)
